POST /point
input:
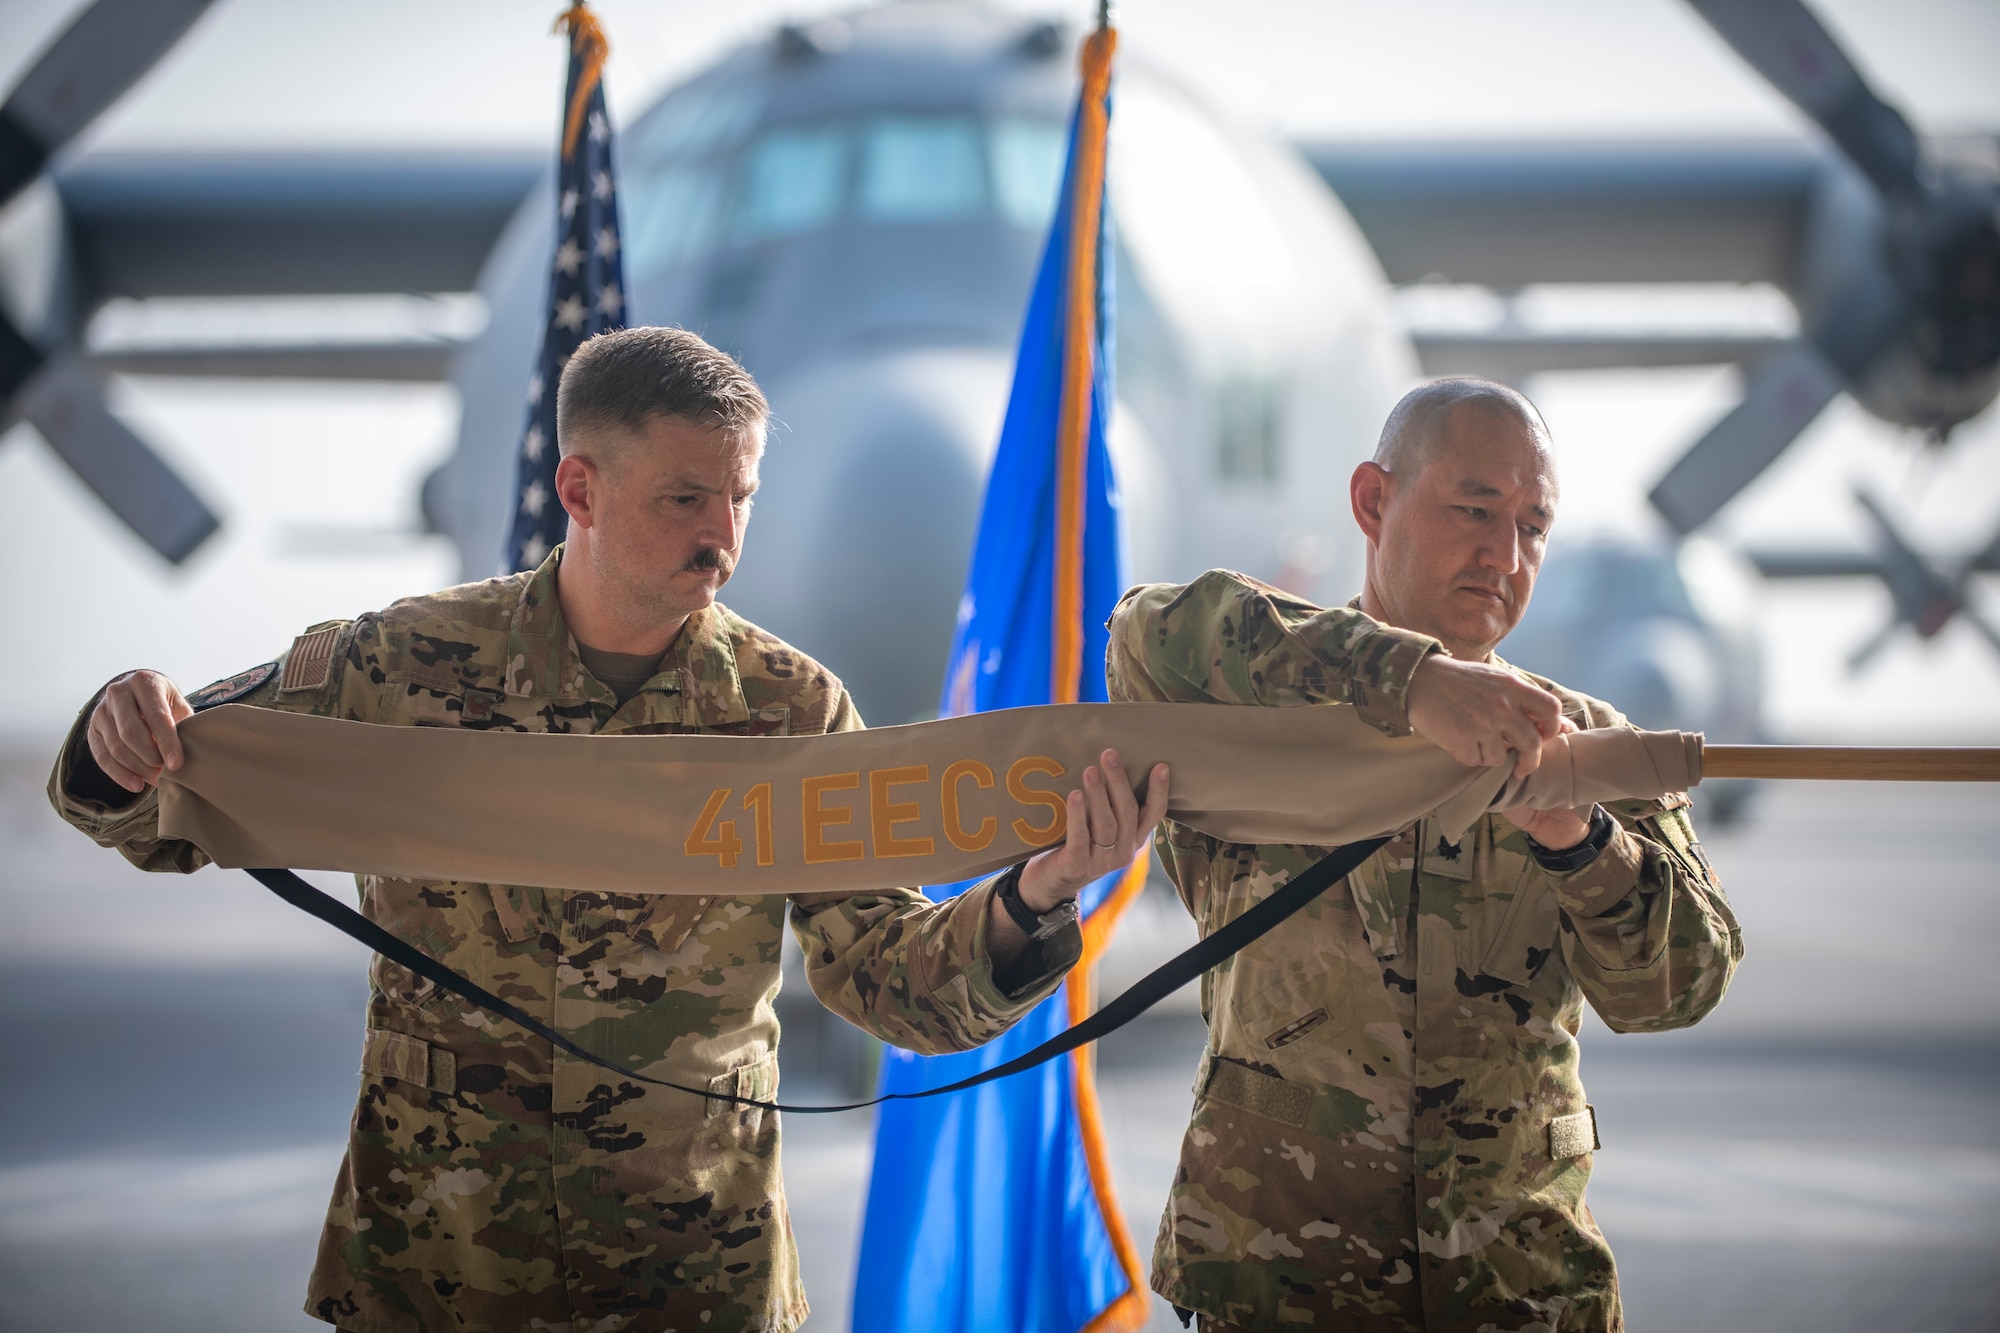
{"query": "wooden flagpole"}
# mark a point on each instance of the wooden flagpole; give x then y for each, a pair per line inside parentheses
(1853, 763)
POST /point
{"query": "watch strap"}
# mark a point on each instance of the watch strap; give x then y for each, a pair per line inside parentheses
(1035, 927)
(1563, 860)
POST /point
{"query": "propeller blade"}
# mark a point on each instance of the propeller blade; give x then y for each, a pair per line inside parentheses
(1775, 563)
(1782, 41)
(1786, 392)
(1890, 541)
(1925, 599)
(66, 405)
(101, 54)
(1858, 660)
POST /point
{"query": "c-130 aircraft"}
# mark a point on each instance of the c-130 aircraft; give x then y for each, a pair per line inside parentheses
(854, 207)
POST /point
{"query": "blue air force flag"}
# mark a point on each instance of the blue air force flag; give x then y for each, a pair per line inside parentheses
(992, 1209)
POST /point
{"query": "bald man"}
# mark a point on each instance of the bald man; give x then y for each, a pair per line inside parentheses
(1389, 1132)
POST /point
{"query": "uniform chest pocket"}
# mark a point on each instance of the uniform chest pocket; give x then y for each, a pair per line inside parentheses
(1281, 1005)
(1528, 922)
(1503, 919)
(440, 919)
(438, 697)
(613, 925)
(771, 720)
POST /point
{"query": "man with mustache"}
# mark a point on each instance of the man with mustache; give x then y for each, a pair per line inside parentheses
(492, 1182)
(1389, 1134)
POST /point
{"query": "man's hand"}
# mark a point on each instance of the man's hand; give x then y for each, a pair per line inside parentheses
(1107, 826)
(1476, 713)
(132, 729)
(1557, 830)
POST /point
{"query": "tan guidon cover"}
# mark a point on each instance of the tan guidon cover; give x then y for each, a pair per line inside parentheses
(927, 803)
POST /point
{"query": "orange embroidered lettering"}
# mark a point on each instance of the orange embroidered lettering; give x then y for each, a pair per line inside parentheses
(966, 840)
(758, 801)
(712, 839)
(812, 794)
(1018, 788)
(884, 814)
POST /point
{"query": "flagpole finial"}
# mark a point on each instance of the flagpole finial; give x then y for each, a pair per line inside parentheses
(587, 39)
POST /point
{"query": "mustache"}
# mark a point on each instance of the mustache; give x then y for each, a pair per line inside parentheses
(710, 559)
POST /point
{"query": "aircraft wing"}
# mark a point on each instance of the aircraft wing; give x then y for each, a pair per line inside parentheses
(1501, 215)
(255, 224)
(1506, 215)
(284, 224)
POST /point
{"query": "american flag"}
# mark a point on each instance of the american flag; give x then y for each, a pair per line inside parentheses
(586, 285)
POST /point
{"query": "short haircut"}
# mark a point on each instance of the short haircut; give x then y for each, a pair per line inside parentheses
(622, 379)
(1416, 427)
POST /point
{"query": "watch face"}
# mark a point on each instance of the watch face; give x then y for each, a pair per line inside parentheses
(1062, 914)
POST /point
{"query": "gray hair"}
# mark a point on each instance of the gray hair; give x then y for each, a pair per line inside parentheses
(1416, 426)
(622, 379)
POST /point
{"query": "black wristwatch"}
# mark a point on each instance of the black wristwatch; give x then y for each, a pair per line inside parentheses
(1034, 927)
(1563, 860)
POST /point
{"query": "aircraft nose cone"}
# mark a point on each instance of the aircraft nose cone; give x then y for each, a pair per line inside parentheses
(876, 464)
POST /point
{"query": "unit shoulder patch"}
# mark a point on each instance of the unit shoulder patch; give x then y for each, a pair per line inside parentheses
(310, 662)
(231, 688)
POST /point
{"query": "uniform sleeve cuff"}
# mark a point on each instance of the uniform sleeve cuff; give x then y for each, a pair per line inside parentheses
(1384, 663)
(1600, 886)
(1033, 976)
(78, 788)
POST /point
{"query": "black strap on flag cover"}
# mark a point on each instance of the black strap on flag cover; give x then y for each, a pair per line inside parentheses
(1149, 990)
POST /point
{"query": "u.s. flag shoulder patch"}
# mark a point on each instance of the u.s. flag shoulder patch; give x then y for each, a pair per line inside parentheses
(310, 662)
(231, 688)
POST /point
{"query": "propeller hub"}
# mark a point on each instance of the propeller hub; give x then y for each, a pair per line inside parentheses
(1952, 267)
(1904, 297)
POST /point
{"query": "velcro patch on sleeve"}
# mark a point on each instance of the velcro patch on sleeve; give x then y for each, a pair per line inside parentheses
(231, 688)
(1573, 1135)
(310, 662)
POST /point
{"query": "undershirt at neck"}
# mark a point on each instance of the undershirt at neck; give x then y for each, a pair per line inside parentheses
(624, 673)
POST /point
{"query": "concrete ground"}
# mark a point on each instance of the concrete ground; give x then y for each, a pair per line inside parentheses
(1823, 1154)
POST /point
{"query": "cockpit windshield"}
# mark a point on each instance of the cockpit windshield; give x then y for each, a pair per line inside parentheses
(920, 169)
(698, 181)
(790, 181)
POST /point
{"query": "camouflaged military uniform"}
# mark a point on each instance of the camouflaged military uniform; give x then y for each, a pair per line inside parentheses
(1389, 1131)
(492, 1183)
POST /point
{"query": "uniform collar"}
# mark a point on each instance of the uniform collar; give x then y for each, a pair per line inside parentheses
(700, 664)
(704, 655)
(541, 661)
